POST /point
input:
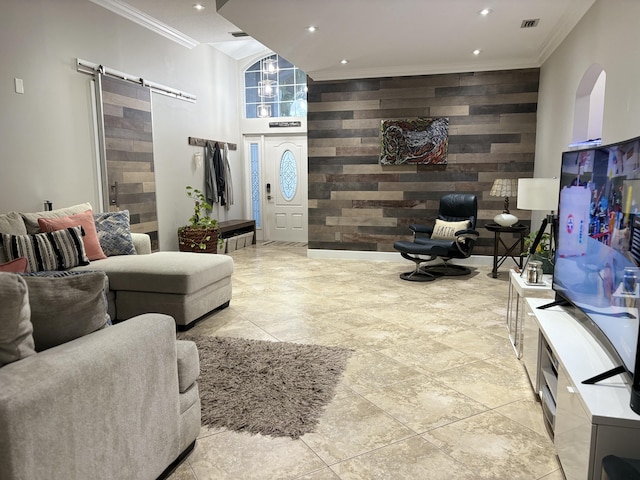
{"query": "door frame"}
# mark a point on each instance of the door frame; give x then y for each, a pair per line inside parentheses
(261, 141)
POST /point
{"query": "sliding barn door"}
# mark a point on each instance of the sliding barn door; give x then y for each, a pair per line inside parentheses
(128, 154)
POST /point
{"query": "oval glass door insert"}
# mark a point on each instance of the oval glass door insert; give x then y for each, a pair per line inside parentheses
(288, 175)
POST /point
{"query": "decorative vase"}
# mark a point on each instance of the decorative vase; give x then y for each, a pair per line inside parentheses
(198, 240)
(505, 219)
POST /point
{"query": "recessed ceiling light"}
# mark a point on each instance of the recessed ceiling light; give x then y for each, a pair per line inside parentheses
(485, 11)
(312, 29)
(476, 51)
(198, 6)
(344, 61)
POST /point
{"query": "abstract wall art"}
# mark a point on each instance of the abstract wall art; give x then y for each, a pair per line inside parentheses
(415, 141)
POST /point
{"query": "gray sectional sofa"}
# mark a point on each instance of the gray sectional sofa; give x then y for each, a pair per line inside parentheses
(118, 402)
(183, 285)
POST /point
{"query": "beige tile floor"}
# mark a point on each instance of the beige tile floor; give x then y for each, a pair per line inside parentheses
(432, 390)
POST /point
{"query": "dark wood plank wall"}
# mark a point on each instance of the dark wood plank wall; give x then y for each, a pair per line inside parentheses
(357, 204)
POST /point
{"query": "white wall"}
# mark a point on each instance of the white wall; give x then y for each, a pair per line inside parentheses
(596, 107)
(607, 35)
(47, 146)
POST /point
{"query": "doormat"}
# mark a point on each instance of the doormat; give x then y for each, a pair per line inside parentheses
(270, 243)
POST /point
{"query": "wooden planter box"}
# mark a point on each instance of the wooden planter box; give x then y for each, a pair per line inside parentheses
(192, 239)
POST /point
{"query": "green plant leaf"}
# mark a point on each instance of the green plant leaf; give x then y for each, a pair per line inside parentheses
(201, 217)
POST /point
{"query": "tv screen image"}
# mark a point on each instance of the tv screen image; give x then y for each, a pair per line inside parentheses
(596, 260)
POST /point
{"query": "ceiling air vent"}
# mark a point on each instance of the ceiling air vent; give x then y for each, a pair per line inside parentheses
(530, 23)
(239, 34)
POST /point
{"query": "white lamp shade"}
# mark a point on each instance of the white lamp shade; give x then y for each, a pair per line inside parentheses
(538, 193)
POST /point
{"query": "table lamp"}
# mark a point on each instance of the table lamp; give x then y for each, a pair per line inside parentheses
(505, 187)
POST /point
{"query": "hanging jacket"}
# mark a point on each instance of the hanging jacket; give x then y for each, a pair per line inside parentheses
(228, 183)
(210, 183)
(218, 166)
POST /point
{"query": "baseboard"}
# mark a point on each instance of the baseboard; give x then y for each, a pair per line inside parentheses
(479, 260)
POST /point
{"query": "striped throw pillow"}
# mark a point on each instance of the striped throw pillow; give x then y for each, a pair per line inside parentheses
(57, 250)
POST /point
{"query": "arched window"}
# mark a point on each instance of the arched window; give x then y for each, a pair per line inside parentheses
(275, 88)
(589, 107)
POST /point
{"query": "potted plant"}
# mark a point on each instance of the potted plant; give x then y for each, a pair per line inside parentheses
(201, 235)
(543, 252)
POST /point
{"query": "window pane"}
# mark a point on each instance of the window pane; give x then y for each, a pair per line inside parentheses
(285, 109)
(282, 63)
(290, 85)
(286, 77)
(298, 108)
(255, 183)
(301, 77)
(252, 95)
(251, 79)
(287, 94)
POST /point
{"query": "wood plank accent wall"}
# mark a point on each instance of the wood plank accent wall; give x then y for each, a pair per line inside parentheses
(357, 204)
(129, 149)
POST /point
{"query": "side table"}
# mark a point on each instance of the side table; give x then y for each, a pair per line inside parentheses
(518, 291)
(499, 259)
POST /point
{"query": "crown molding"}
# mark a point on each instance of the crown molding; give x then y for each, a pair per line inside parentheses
(147, 21)
(565, 24)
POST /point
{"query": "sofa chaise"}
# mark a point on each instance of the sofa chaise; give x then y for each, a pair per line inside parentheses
(184, 285)
(108, 402)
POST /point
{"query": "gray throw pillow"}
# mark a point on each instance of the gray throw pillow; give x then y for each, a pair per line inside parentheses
(11, 223)
(114, 233)
(31, 219)
(16, 339)
(66, 305)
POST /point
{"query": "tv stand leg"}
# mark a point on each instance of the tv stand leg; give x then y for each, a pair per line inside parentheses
(609, 373)
(557, 303)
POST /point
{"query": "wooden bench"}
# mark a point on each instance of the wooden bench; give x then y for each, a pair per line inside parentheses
(229, 228)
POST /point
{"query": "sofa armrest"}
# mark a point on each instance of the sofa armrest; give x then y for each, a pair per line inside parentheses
(188, 364)
(142, 243)
(102, 406)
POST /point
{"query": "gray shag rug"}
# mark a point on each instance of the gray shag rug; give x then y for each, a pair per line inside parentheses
(272, 388)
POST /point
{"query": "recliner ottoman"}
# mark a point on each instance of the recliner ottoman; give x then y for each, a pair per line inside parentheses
(183, 285)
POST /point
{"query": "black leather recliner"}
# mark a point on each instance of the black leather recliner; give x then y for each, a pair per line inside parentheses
(447, 239)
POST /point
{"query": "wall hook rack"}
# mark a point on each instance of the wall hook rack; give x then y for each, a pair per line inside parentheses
(200, 142)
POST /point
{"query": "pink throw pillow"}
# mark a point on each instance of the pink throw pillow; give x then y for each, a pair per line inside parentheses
(19, 265)
(84, 219)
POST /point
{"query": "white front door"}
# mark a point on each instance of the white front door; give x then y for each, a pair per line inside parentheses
(285, 189)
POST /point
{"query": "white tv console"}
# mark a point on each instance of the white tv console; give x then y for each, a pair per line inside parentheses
(587, 422)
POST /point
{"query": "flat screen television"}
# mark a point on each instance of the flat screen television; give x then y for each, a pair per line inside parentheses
(598, 243)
